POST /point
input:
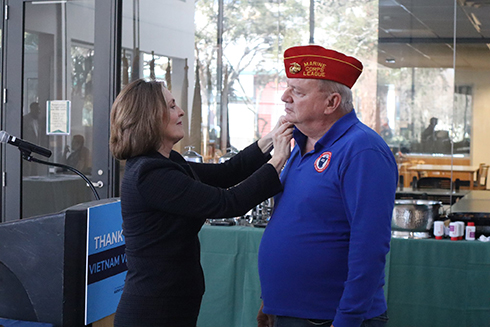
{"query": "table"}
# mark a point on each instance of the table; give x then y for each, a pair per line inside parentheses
(444, 195)
(438, 283)
(469, 171)
(429, 283)
(474, 203)
(474, 207)
(478, 195)
(229, 260)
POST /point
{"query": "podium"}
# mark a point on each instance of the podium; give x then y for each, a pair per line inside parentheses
(43, 265)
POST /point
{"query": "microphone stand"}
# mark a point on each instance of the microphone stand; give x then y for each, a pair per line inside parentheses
(26, 155)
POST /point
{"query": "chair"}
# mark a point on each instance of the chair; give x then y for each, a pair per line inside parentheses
(481, 179)
(434, 182)
(404, 174)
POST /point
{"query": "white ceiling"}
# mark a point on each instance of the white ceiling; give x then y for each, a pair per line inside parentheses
(419, 33)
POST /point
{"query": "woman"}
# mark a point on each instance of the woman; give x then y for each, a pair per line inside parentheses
(165, 201)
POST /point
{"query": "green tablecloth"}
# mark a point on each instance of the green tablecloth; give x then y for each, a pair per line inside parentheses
(430, 283)
(438, 283)
(229, 261)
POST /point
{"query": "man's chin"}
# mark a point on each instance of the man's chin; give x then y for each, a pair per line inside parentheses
(289, 118)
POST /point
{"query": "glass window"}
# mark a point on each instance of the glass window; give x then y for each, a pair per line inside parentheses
(425, 80)
(421, 89)
(58, 65)
(160, 48)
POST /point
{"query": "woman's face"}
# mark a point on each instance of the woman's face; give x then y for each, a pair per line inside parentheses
(173, 131)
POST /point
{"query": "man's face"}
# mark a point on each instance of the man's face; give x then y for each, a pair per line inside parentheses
(305, 102)
(76, 144)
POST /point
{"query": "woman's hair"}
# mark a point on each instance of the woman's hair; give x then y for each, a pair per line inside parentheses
(137, 119)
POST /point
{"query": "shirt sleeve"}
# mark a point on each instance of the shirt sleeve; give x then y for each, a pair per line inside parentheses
(368, 188)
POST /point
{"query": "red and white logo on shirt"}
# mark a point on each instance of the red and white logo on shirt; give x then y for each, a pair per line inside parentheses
(323, 161)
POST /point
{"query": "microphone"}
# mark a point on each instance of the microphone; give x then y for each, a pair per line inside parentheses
(23, 145)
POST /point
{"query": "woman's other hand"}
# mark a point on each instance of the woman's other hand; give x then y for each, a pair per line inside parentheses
(282, 145)
(266, 143)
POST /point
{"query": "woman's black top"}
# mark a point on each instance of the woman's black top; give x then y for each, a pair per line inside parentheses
(165, 202)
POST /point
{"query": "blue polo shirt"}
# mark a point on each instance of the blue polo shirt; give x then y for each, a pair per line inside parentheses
(323, 252)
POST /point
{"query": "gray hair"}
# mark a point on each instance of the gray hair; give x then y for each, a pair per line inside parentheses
(344, 91)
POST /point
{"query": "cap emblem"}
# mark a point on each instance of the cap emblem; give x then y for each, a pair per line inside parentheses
(294, 68)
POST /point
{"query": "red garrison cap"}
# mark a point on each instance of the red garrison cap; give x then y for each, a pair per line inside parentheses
(314, 61)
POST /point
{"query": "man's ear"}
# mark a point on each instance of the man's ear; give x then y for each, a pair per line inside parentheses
(332, 103)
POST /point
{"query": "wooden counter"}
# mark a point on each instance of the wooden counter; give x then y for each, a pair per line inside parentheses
(408, 160)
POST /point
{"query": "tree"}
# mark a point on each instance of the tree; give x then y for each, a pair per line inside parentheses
(348, 26)
(254, 34)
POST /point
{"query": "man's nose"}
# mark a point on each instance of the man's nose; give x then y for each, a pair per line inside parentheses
(286, 97)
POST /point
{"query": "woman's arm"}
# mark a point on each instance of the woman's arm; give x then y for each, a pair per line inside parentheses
(170, 189)
(249, 159)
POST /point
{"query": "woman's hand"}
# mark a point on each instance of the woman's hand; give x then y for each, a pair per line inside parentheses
(266, 142)
(282, 145)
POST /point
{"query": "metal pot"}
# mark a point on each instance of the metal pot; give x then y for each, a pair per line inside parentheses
(191, 155)
(228, 155)
(414, 215)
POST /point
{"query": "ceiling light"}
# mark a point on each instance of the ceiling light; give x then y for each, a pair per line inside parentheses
(474, 3)
(475, 19)
(48, 2)
(475, 22)
(417, 50)
(390, 60)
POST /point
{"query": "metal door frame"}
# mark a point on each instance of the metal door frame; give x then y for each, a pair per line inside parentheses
(106, 82)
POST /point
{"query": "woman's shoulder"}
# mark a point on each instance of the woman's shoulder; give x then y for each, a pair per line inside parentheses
(151, 161)
(146, 161)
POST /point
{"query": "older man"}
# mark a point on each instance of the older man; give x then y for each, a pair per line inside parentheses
(322, 256)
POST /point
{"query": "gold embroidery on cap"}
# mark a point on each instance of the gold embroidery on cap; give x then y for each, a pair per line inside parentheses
(294, 68)
(342, 61)
(314, 69)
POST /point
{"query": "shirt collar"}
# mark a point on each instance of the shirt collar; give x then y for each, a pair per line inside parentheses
(332, 135)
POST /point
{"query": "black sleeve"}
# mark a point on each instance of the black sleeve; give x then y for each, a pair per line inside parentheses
(233, 171)
(171, 190)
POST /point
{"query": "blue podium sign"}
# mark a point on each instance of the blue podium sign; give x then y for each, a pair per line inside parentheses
(105, 261)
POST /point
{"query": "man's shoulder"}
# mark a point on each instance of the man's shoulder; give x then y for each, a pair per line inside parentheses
(363, 138)
(365, 135)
